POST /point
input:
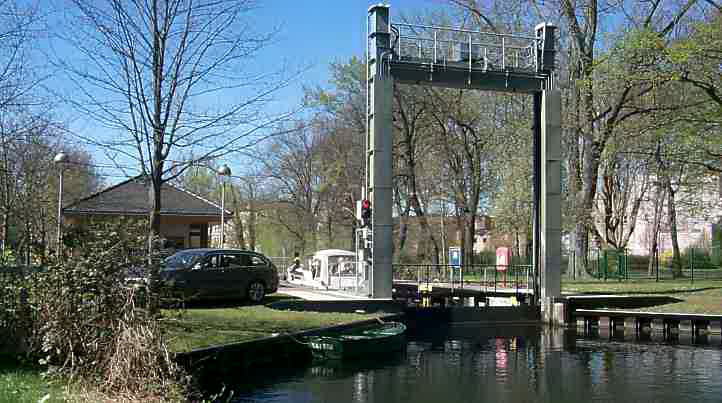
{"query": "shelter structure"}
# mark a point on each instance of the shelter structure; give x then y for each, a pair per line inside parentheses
(185, 217)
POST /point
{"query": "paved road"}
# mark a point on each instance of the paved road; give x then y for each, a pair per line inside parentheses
(311, 294)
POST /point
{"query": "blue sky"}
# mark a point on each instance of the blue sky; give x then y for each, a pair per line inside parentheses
(318, 32)
(315, 33)
(312, 34)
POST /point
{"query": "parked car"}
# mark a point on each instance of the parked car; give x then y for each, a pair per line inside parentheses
(220, 273)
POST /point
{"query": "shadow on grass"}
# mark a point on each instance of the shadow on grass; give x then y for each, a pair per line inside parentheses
(14, 362)
(640, 292)
(226, 302)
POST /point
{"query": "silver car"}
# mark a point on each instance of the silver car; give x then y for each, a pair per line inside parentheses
(220, 273)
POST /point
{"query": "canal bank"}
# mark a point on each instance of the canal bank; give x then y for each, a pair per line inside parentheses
(288, 350)
(466, 362)
(283, 354)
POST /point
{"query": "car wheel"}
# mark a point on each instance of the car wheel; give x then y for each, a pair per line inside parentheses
(256, 291)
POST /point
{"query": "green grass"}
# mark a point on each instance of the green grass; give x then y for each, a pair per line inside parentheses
(639, 286)
(22, 382)
(704, 296)
(189, 329)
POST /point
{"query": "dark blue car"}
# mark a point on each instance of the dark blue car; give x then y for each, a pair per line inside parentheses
(220, 273)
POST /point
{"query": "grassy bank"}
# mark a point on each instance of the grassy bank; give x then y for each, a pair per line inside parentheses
(703, 296)
(198, 327)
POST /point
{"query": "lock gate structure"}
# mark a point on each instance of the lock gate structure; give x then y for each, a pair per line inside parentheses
(460, 58)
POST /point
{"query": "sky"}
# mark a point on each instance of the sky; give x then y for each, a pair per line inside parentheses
(318, 32)
(312, 34)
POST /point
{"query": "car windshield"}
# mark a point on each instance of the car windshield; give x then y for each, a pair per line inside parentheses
(182, 259)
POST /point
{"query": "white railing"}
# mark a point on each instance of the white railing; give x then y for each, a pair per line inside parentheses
(460, 47)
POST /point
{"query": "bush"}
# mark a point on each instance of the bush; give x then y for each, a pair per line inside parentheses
(85, 320)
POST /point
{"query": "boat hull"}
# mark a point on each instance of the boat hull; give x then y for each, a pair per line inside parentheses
(384, 339)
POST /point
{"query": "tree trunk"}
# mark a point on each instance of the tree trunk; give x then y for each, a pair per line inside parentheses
(403, 233)
(656, 220)
(470, 236)
(581, 250)
(252, 225)
(425, 228)
(238, 222)
(672, 217)
(155, 206)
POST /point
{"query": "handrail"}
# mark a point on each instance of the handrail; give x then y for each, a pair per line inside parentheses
(475, 49)
(466, 31)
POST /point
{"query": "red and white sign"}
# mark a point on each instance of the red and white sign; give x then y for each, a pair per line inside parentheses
(503, 258)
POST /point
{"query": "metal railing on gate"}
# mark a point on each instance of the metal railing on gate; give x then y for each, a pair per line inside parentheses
(482, 277)
(446, 46)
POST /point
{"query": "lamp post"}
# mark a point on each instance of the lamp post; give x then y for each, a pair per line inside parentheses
(60, 159)
(224, 170)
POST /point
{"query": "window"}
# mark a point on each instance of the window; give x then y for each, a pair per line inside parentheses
(213, 262)
(257, 261)
(233, 261)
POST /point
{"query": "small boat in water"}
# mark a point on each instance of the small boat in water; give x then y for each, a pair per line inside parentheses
(384, 337)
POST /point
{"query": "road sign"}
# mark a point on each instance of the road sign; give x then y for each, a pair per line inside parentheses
(455, 257)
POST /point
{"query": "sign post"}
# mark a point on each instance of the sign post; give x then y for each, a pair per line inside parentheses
(503, 260)
(455, 262)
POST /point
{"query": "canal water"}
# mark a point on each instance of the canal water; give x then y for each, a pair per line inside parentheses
(511, 364)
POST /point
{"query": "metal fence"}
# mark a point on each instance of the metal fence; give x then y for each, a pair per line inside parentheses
(620, 265)
(445, 46)
(485, 277)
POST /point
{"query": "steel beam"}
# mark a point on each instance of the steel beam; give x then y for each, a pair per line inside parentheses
(379, 151)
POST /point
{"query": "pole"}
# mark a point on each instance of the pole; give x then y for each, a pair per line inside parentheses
(223, 212)
(60, 213)
(656, 260)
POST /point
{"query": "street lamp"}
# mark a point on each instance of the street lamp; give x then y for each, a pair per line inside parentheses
(60, 159)
(223, 171)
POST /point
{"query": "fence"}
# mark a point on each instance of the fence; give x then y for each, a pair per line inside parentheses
(471, 49)
(618, 264)
(482, 276)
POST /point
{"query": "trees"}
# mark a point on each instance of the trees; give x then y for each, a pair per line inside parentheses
(171, 78)
(17, 37)
(293, 164)
(29, 182)
(467, 125)
(594, 120)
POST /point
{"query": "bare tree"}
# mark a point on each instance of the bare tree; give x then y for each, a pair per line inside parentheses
(29, 182)
(18, 27)
(293, 166)
(171, 79)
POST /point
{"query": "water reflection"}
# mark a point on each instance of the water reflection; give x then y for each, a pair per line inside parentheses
(517, 364)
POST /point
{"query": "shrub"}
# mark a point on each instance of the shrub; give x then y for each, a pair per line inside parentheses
(86, 321)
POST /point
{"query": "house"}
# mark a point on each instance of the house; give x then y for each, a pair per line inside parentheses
(698, 218)
(185, 218)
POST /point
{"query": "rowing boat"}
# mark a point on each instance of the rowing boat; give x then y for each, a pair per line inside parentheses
(381, 338)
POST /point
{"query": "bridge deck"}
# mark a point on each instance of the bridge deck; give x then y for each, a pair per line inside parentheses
(406, 289)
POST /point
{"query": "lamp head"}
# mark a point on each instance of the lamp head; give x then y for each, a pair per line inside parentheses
(60, 158)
